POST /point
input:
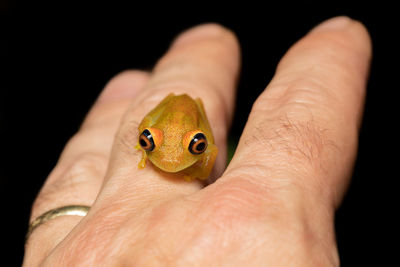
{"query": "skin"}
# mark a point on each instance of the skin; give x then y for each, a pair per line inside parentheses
(272, 206)
(173, 123)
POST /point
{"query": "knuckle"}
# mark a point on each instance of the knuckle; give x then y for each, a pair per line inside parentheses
(293, 139)
(298, 125)
(301, 141)
(68, 179)
(122, 86)
(356, 39)
(293, 133)
(206, 32)
(223, 34)
(129, 75)
(87, 163)
(298, 92)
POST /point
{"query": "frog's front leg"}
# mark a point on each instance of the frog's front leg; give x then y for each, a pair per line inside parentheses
(202, 171)
(142, 162)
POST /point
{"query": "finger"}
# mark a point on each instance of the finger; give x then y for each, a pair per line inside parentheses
(202, 62)
(78, 175)
(301, 136)
(83, 162)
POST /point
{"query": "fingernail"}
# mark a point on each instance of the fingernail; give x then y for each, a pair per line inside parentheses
(336, 23)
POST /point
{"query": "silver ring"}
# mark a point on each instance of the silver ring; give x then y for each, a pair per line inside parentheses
(73, 210)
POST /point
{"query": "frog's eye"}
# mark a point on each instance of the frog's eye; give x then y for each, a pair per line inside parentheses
(198, 144)
(146, 140)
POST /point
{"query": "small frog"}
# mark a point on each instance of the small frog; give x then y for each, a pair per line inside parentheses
(176, 137)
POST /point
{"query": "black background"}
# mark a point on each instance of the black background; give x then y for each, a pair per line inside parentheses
(56, 59)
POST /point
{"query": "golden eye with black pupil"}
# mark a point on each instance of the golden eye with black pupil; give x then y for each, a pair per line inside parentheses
(198, 144)
(146, 140)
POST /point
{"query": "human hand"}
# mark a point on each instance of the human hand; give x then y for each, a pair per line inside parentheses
(273, 205)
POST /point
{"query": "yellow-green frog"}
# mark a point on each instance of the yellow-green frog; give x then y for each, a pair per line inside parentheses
(176, 137)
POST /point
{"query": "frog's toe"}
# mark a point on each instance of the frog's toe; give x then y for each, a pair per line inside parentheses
(188, 178)
(142, 163)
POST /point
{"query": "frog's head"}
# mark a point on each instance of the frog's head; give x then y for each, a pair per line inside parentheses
(173, 151)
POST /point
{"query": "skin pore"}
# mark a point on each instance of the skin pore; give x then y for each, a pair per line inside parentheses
(273, 205)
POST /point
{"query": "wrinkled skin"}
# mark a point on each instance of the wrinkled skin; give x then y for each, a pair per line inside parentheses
(272, 206)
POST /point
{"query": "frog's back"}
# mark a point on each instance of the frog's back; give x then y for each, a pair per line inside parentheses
(181, 110)
(182, 103)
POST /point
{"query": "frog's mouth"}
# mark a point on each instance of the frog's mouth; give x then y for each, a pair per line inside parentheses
(173, 165)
